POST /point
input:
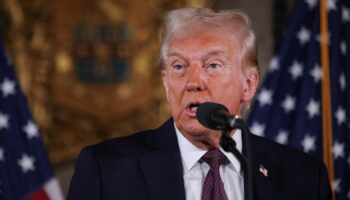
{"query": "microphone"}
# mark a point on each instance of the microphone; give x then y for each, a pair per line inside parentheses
(217, 116)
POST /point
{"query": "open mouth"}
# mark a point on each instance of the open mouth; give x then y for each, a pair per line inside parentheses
(192, 107)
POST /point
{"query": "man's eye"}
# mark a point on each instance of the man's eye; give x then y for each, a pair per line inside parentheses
(214, 66)
(178, 67)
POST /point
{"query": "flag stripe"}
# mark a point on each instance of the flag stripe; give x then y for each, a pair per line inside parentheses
(53, 190)
(39, 195)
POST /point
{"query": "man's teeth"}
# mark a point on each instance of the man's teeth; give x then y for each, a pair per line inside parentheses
(193, 108)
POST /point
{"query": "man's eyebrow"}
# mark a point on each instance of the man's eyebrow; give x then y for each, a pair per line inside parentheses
(209, 53)
(215, 52)
(174, 54)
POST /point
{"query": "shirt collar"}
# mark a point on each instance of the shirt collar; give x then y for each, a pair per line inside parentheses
(191, 154)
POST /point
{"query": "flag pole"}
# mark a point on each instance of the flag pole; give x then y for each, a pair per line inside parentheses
(327, 131)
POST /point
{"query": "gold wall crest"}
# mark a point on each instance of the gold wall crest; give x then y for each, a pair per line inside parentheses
(105, 58)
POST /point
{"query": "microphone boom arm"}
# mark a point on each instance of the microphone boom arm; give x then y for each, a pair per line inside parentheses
(229, 145)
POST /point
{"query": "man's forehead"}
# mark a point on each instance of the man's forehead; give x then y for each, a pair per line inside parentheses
(213, 41)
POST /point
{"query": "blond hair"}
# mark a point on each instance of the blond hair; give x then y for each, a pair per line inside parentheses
(235, 22)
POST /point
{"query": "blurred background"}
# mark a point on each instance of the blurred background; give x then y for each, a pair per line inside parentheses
(89, 68)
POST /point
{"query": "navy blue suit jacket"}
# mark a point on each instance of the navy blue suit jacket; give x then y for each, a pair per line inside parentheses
(148, 166)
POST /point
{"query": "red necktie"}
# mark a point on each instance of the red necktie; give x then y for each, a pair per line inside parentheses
(213, 187)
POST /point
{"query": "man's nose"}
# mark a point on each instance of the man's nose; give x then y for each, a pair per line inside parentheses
(195, 80)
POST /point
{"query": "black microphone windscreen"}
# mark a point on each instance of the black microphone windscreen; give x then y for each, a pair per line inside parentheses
(204, 112)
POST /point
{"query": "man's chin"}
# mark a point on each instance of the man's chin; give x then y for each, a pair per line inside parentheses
(195, 130)
(191, 126)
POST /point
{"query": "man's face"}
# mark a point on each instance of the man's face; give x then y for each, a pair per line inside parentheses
(201, 67)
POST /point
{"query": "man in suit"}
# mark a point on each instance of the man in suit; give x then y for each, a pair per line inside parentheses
(205, 56)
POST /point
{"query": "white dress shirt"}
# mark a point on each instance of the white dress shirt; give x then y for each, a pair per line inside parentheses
(194, 172)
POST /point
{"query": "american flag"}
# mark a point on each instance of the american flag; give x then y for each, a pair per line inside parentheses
(25, 171)
(288, 106)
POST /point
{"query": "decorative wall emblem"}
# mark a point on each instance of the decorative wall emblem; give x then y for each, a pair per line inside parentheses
(101, 52)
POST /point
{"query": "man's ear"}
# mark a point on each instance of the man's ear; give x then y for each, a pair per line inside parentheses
(251, 80)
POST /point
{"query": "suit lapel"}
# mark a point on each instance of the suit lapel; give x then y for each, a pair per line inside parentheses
(162, 166)
(163, 176)
(263, 174)
(264, 189)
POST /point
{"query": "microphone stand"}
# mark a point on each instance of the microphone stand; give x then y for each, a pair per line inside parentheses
(229, 145)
